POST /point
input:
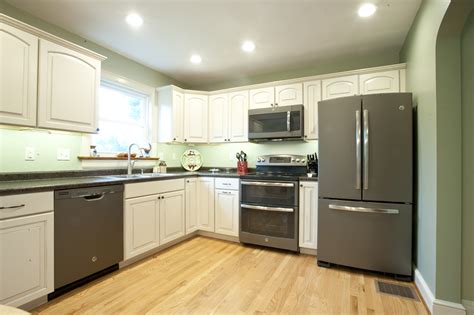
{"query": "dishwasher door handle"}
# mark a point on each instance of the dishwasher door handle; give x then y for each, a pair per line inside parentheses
(94, 197)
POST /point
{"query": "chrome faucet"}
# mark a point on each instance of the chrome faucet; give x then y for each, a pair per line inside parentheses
(129, 158)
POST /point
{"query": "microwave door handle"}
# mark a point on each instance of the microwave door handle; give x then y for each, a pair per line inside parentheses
(288, 121)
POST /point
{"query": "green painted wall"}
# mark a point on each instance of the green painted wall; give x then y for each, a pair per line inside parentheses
(322, 67)
(419, 54)
(467, 51)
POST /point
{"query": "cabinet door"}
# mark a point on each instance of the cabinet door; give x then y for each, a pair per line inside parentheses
(206, 203)
(68, 89)
(142, 225)
(308, 226)
(380, 82)
(18, 76)
(227, 212)
(218, 118)
(178, 118)
(195, 118)
(312, 95)
(290, 94)
(171, 216)
(238, 116)
(340, 87)
(262, 98)
(192, 205)
(27, 247)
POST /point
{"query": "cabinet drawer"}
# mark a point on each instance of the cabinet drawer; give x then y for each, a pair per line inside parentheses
(227, 183)
(151, 188)
(19, 205)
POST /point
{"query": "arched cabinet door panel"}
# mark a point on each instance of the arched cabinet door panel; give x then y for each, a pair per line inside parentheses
(18, 76)
(340, 87)
(68, 89)
(380, 82)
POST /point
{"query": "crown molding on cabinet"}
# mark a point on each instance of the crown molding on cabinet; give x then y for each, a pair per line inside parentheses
(52, 38)
(398, 66)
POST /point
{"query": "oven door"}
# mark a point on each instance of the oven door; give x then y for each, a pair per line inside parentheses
(269, 226)
(276, 123)
(283, 194)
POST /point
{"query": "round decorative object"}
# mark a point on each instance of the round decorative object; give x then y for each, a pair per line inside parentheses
(191, 160)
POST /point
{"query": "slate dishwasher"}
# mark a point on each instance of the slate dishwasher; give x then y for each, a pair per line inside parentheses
(88, 234)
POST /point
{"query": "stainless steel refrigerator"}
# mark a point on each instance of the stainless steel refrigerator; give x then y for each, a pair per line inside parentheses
(366, 182)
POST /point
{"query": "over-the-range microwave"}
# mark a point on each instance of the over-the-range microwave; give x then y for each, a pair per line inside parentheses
(276, 123)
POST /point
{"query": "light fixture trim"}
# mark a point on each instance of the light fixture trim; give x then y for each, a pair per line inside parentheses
(248, 46)
(367, 9)
(134, 20)
(195, 59)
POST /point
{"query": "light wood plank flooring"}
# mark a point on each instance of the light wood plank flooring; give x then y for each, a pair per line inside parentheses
(205, 275)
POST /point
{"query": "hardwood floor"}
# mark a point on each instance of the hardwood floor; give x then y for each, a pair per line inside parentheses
(205, 275)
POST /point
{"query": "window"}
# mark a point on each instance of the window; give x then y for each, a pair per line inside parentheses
(123, 118)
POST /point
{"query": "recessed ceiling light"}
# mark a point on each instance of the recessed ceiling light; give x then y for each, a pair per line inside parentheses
(367, 9)
(134, 20)
(196, 59)
(248, 46)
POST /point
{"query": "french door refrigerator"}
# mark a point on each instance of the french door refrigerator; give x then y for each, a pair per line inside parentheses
(365, 182)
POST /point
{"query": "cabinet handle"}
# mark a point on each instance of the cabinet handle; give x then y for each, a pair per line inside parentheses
(301, 185)
(276, 104)
(187, 181)
(12, 207)
(97, 129)
(174, 139)
(185, 139)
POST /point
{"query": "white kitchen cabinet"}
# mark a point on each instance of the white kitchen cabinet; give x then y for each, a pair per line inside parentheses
(380, 82)
(289, 94)
(192, 205)
(262, 98)
(206, 204)
(238, 116)
(68, 87)
(172, 216)
(142, 225)
(308, 217)
(27, 258)
(18, 76)
(227, 212)
(340, 87)
(312, 95)
(170, 115)
(218, 118)
(195, 118)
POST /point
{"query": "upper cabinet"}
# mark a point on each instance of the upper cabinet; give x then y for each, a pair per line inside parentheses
(281, 95)
(46, 81)
(238, 116)
(170, 114)
(218, 118)
(68, 89)
(340, 87)
(195, 118)
(228, 117)
(380, 82)
(18, 76)
(312, 95)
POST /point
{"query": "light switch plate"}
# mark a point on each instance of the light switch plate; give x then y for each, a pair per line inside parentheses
(63, 154)
(30, 154)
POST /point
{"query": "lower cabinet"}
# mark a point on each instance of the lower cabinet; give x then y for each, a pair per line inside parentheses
(308, 225)
(227, 212)
(26, 245)
(192, 205)
(206, 204)
(171, 216)
(142, 225)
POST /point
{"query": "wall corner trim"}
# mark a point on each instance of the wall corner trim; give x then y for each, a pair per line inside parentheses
(426, 294)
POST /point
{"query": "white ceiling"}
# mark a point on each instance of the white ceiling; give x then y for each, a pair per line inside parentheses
(289, 34)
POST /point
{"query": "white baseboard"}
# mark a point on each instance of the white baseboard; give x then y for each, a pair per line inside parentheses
(426, 294)
(308, 251)
(437, 306)
(219, 236)
(469, 305)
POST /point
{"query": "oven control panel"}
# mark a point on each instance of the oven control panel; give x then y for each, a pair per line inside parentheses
(282, 160)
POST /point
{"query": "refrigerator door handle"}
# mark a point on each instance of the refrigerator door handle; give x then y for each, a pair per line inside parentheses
(362, 209)
(358, 150)
(366, 149)
(288, 121)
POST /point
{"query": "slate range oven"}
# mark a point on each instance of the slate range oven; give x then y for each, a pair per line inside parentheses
(269, 202)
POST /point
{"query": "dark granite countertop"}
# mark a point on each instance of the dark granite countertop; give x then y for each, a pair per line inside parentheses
(47, 181)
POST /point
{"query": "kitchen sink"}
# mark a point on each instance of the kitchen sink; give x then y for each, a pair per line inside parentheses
(146, 175)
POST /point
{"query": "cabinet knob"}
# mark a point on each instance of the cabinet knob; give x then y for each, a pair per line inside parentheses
(187, 181)
(97, 129)
(185, 139)
(174, 139)
(301, 185)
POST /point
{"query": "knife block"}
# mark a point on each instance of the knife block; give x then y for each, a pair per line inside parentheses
(242, 168)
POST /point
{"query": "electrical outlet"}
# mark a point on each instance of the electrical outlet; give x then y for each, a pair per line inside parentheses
(63, 154)
(30, 154)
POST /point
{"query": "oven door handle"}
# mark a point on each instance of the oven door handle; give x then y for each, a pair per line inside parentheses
(278, 209)
(268, 184)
